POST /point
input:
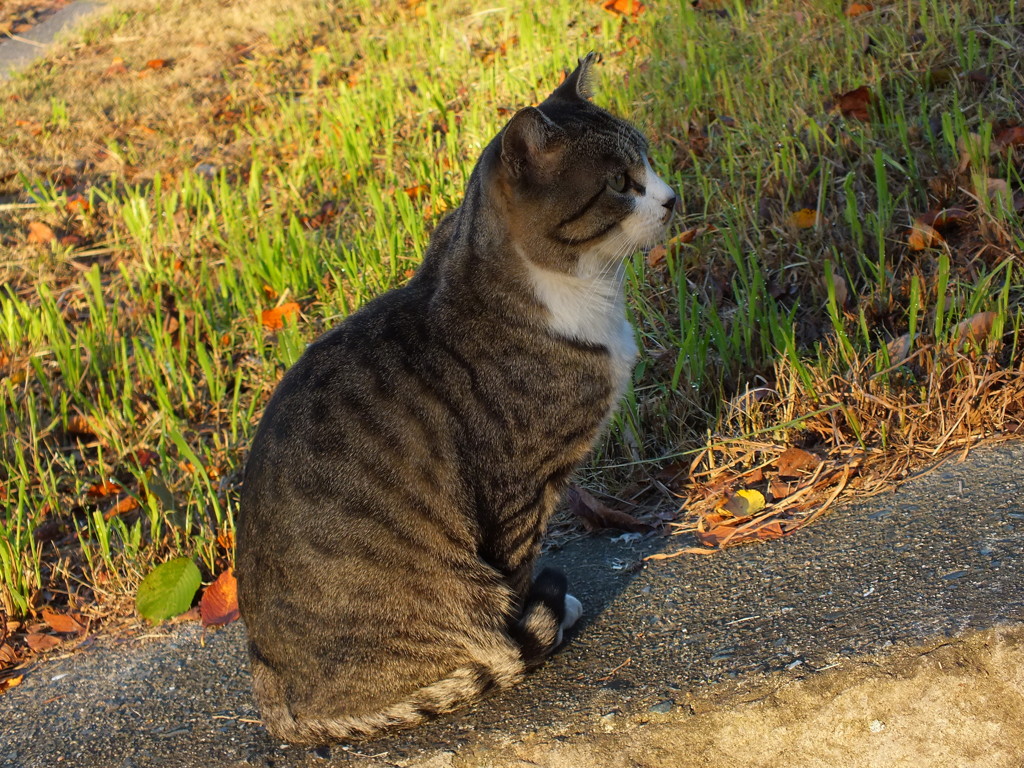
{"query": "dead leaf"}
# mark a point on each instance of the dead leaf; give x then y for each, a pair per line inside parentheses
(77, 203)
(596, 514)
(63, 622)
(976, 328)
(780, 490)
(219, 604)
(145, 457)
(923, 236)
(116, 67)
(105, 488)
(39, 233)
(805, 218)
(34, 128)
(39, 642)
(7, 654)
(327, 212)
(854, 103)
(964, 145)
(158, 63)
(273, 319)
(944, 217)
(856, 9)
(1008, 137)
(627, 8)
(10, 682)
(656, 255)
(79, 425)
(417, 191)
(998, 189)
(688, 235)
(796, 463)
(744, 503)
(899, 348)
(126, 504)
(840, 290)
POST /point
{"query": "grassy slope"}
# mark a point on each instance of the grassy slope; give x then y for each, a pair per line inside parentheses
(297, 152)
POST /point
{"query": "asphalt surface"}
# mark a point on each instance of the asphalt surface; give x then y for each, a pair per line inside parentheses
(937, 558)
(17, 53)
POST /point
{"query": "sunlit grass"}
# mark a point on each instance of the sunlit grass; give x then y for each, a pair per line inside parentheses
(304, 152)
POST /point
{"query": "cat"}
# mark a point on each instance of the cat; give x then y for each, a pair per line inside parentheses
(405, 468)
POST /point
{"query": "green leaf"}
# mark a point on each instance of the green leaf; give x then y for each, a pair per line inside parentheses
(168, 589)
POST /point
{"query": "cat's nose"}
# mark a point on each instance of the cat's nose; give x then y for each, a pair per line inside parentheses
(671, 205)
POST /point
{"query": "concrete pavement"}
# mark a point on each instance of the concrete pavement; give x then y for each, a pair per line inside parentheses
(891, 630)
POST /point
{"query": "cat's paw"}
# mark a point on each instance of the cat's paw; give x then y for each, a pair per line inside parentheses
(573, 611)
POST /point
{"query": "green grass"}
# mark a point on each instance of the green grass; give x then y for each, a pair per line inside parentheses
(137, 353)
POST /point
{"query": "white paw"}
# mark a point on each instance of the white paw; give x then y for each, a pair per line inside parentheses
(573, 611)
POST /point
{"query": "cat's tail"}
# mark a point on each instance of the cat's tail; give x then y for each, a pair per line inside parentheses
(547, 612)
(498, 667)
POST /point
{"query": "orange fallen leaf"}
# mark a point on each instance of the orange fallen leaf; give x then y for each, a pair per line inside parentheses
(77, 203)
(105, 488)
(417, 191)
(63, 622)
(79, 425)
(219, 604)
(631, 8)
(39, 233)
(157, 63)
(796, 463)
(31, 126)
(854, 103)
(273, 319)
(656, 255)
(923, 236)
(856, 9)
(226, 540)
(127, 504)
(39, 642)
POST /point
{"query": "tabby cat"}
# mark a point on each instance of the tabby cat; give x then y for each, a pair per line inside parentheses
(406, 467)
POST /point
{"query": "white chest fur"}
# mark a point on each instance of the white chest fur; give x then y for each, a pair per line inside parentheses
(590, 309)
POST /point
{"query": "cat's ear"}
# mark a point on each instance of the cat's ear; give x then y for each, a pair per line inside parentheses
(580, 83)
(529, 141)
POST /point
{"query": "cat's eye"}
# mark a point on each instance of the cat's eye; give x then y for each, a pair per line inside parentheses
(617, 183)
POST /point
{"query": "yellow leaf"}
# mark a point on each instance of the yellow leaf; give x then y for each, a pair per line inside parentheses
(805, 218)
(6, 685)
(744, 503)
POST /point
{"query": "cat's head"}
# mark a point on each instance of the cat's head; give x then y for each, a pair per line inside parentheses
(576, 184)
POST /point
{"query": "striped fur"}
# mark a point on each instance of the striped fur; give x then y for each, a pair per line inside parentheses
(405, 469)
